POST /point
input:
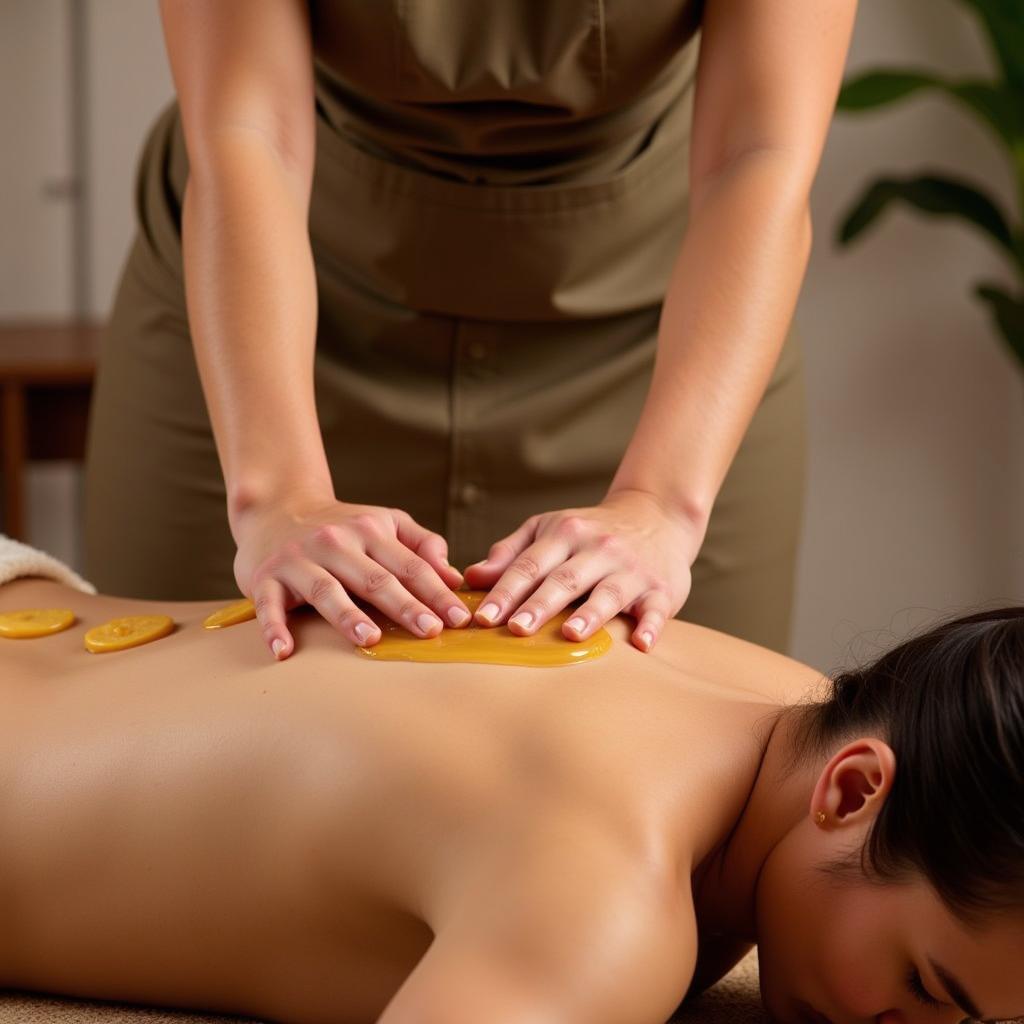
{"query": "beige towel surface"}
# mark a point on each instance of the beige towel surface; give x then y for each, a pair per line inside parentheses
(734, 1000)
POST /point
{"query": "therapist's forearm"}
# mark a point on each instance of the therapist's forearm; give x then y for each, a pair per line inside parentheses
(729, 303)
(252, 305)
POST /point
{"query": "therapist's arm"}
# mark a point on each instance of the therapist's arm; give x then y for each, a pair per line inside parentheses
(245, 85)
(727, 309)
(244, 77)
(767, 80)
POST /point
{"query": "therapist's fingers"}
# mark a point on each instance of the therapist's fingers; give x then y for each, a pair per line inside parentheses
(387, 575)
(430, 546)
(327, 553)
(301, 581)
(390, 576)
(564, 580)
(327, 595)
(562, 585)
(652, 611)
(480, 575)
(611, 595)
(268, 597)
(407, 589)
(524, 573)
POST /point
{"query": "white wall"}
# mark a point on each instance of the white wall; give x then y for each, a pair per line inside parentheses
(35, 159)
(916, 493)
(916, 499)
(129, 81)
(126, 82)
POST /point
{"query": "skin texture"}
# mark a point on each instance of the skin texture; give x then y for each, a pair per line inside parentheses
(334, 839)
(767, 81)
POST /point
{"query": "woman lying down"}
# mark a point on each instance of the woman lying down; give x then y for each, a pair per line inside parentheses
(334, 838)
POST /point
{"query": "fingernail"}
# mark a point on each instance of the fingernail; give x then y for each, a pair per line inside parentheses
(577, 624)
(362, 632)
(489, 612)
(277, 647)
(427, 622)
(523, 619)
(647, 638)
(457, 616)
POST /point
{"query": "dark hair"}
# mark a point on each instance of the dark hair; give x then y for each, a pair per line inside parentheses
(950, 704)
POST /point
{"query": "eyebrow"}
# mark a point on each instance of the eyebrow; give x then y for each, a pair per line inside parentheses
(956, 991)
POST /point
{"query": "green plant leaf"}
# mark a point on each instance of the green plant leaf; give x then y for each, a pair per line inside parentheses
(1009, 316)
(877, 88)
(931, 194)
(1000, 105)
(1004, 23)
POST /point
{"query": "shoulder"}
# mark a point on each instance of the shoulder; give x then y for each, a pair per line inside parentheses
(615, 972)
(580, 937)
(734, 664)
(624, 954)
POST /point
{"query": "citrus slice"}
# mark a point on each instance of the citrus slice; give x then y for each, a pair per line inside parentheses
(131, 631)
(243, 611)
(33, 622)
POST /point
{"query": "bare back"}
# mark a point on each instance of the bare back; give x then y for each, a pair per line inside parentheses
(191, 823)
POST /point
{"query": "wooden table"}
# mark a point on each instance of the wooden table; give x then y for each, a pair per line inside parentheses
(46, 375)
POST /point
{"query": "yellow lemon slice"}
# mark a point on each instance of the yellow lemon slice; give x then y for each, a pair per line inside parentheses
(243, 611)
(32, 622)
(132, 631)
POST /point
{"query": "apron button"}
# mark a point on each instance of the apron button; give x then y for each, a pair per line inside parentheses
(469, 493)
(477, 350)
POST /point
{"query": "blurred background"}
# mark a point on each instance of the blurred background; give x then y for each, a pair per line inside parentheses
(915, 502)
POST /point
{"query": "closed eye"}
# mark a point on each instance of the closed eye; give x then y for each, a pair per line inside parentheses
(916, 986)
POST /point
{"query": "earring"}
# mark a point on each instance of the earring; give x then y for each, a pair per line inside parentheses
(821, 817)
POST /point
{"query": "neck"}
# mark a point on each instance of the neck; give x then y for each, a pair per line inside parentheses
(725, 884)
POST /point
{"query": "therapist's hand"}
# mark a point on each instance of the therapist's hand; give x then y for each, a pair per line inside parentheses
(325, 552)
(630, 551)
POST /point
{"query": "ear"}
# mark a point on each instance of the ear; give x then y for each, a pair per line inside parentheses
(853, 785)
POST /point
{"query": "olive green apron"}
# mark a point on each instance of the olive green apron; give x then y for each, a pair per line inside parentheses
(499, 195)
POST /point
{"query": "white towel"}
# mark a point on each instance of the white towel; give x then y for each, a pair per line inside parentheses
(17, 560)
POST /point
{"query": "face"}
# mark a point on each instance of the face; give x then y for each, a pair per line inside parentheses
(854, 953)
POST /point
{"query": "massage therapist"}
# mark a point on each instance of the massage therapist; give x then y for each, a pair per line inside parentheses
(462, 278)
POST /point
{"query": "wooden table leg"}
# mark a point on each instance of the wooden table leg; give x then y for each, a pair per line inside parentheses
(12, 418)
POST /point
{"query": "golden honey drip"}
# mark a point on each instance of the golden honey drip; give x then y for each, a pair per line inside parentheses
(243, 611)
(32, 622)
(494, 645)
(131, 631)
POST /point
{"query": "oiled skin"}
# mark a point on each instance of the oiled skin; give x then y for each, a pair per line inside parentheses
(190, 823)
